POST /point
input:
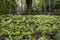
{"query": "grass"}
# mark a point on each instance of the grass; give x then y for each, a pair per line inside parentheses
(29, 27)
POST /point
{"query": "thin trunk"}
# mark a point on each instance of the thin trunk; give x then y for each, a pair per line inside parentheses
(49, 6)
(45, 6)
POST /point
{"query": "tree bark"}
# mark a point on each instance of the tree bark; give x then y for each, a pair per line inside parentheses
(29, 4)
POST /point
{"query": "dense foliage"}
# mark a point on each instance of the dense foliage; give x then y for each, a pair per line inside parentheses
(7, 6)
(47, 6)
(18, 27)
(33, 6)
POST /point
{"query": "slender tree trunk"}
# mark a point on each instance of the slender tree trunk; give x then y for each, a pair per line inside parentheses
(49, 5)
(45, 6)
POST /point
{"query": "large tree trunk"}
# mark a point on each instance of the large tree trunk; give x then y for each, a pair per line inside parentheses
(19, 5)
(29, 4)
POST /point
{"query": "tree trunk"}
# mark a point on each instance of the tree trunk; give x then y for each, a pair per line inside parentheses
(29, 4)
(48, 5)
(19, 5)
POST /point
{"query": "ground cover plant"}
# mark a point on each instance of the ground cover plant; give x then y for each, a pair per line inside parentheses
(29, 27)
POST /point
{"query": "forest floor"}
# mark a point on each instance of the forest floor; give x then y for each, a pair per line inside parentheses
(29, 27)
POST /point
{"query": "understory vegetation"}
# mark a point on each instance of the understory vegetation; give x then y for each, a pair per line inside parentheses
(29, 27)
